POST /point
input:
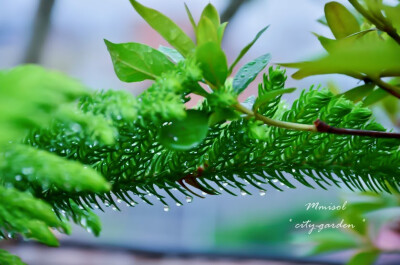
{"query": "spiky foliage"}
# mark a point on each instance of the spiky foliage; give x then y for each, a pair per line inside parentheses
(111, 147)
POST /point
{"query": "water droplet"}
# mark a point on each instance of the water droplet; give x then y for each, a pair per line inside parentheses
(225, 184)
(166, 208)
(244, 193)
(262, 192)
(119, 200)
(132, 203)
(27, 170)
(178, 204)
(189, 199)
(175, 138)
(114, 208)
(275, 180)
(18, 177)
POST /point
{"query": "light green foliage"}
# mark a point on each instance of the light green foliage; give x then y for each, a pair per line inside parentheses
(8, 259)
(22, 213)
(21, 98)
(80, 155)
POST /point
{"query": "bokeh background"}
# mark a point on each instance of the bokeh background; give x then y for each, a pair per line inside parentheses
(238, 227)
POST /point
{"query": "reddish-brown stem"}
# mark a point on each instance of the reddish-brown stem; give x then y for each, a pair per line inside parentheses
(325, 128)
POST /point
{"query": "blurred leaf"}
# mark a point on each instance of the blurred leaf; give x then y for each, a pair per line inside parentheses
(20, 212)
(213, 63)
(187, 133)
(365, 257)
(328, 241)
(391, 106)
(190, 16)
(171, 53)
(221, 115)
(341, 22)
(134, 62)
(30, 97)
(375, 96)
(9, 259)
(372, 57)
(358, 93)
(221, 31)
(268, 96)
(392, 13)
(249, 72)
(86, 218)
(206, 32)
(212, 14)
(327, 43)
(247, 48)
(166, 28)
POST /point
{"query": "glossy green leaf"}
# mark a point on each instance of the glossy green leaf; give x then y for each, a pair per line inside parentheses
(375, 96)
(166, 28)
(213, 63)
(366, 257)
(358, 93)
(135, 62)
(187, 133)
(247, 48)
(249, 72)
(341, 22)
(268, 96)
(173, 54)
(206, 32)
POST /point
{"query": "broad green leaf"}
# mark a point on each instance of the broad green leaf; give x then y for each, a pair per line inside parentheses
(9, 259)
(206, 32)
(373, 58)
(341, 22)
(365, 257)
(211, 13)
(166, 28)
(187, 133)
(375, 96)
(134, 62)
(247, 48)
(358, 93)
(191, 18)
(249, 72)
(268, 96)
(173, 54)
(213, 63)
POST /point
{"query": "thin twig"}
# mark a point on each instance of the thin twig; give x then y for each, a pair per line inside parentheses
(318, 126)
(325, 128)
(394, 90)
